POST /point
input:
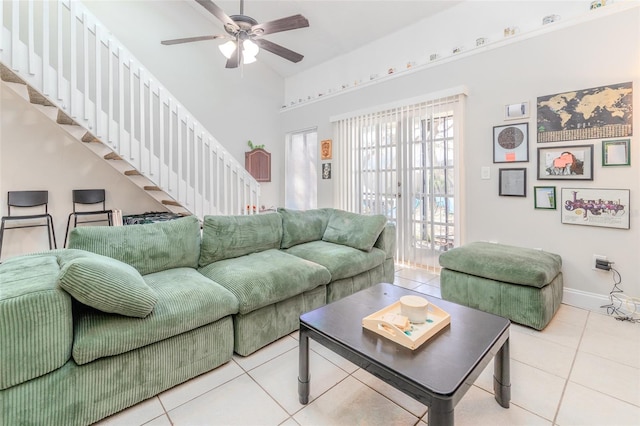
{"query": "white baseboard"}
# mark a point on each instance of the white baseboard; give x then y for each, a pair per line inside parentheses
(584, 299)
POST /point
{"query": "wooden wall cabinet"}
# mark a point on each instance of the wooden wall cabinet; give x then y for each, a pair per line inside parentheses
(258, 164)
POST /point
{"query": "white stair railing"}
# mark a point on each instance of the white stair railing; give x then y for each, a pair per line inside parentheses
(60, 49)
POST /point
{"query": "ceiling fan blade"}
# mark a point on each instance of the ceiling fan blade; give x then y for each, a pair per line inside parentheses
(284, 24)
(278, 50)
(234, 59)
(218, 13)
(190, 39)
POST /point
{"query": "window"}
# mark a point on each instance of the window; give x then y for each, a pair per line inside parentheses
(301, 173)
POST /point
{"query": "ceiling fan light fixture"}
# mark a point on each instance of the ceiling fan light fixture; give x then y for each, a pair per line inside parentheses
(249, 48)
(228, 48)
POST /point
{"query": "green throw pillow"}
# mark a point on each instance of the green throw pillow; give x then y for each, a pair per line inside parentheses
(108, 285)
(354, 230)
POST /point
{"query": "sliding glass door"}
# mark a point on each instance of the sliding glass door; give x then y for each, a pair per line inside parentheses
(401, 163)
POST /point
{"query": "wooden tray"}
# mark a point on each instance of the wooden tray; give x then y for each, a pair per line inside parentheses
(437, 319)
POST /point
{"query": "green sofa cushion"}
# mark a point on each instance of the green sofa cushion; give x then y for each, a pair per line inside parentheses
(186, 300)
(226, 237)
(341, 261)
(302, 226)
(149, 248)
(354, 230)
(523, 304)
(261, 279)
(36, 328)
(504, 263)
(108, 285)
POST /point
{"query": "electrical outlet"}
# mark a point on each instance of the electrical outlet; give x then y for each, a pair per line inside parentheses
(595, 258)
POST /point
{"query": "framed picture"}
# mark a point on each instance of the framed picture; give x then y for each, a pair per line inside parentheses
(516, 111)
(596, 113)
(616, 153)
(513, 182)
(566, 163)
(544, 197)
(596, 207)
(325, 149)
(326, 170)
(511, 143)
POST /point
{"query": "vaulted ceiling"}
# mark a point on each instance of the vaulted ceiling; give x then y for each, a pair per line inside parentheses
(336, 27)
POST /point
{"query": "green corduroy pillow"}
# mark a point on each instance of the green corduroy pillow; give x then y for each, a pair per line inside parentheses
(108, 285)
(354, 230)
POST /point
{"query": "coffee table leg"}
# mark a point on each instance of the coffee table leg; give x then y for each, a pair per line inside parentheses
(440, 413)
(502, 376)
(303, 368)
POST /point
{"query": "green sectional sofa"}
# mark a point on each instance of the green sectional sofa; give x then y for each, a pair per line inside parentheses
(127, 312)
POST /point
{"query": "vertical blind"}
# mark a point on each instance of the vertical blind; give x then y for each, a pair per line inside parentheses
(404, 162)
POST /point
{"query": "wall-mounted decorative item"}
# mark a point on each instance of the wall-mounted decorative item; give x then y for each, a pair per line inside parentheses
(566, 162)
(550, 19)
(596, 207)
(516, 111)
(596, 4)
(509, 31)
(599, 112)
(513, 182)
(258, 164)
(326, 149)
(616, 153)
(544, 197)
(326, 170)
(511, 143)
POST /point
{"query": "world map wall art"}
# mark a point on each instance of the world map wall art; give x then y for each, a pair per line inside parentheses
(597, 113)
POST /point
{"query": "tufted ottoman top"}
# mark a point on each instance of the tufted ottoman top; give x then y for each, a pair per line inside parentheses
(504, 263)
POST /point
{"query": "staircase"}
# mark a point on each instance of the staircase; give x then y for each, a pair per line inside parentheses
(58, 56)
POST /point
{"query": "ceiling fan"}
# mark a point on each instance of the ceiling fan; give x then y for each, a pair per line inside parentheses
(247, 32)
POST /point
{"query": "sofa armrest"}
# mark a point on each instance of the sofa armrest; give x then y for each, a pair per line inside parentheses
(36, 325)
(387, 240)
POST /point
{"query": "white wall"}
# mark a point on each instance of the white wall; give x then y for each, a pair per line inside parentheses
(456, 27)
(589, 54)
(36, 154)
(234, 105)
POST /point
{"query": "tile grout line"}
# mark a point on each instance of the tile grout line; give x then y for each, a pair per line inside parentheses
(573, 362)
(386, 397)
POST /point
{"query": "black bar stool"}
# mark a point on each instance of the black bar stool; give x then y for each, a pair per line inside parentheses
(29, 199)
(88, 196)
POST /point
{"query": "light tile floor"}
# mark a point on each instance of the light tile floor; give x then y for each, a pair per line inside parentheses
(583, 369)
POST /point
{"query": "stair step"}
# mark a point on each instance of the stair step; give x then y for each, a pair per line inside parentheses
(7, 75)
(152, 188)
(37, 98)
(88, 137)
(64, 118)
(171, 203)
(132, 173)
(112, 156)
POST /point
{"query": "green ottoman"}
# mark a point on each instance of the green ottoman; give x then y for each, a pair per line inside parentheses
(524, 285)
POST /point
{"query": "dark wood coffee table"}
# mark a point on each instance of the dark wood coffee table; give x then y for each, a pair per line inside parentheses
(437, 374)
